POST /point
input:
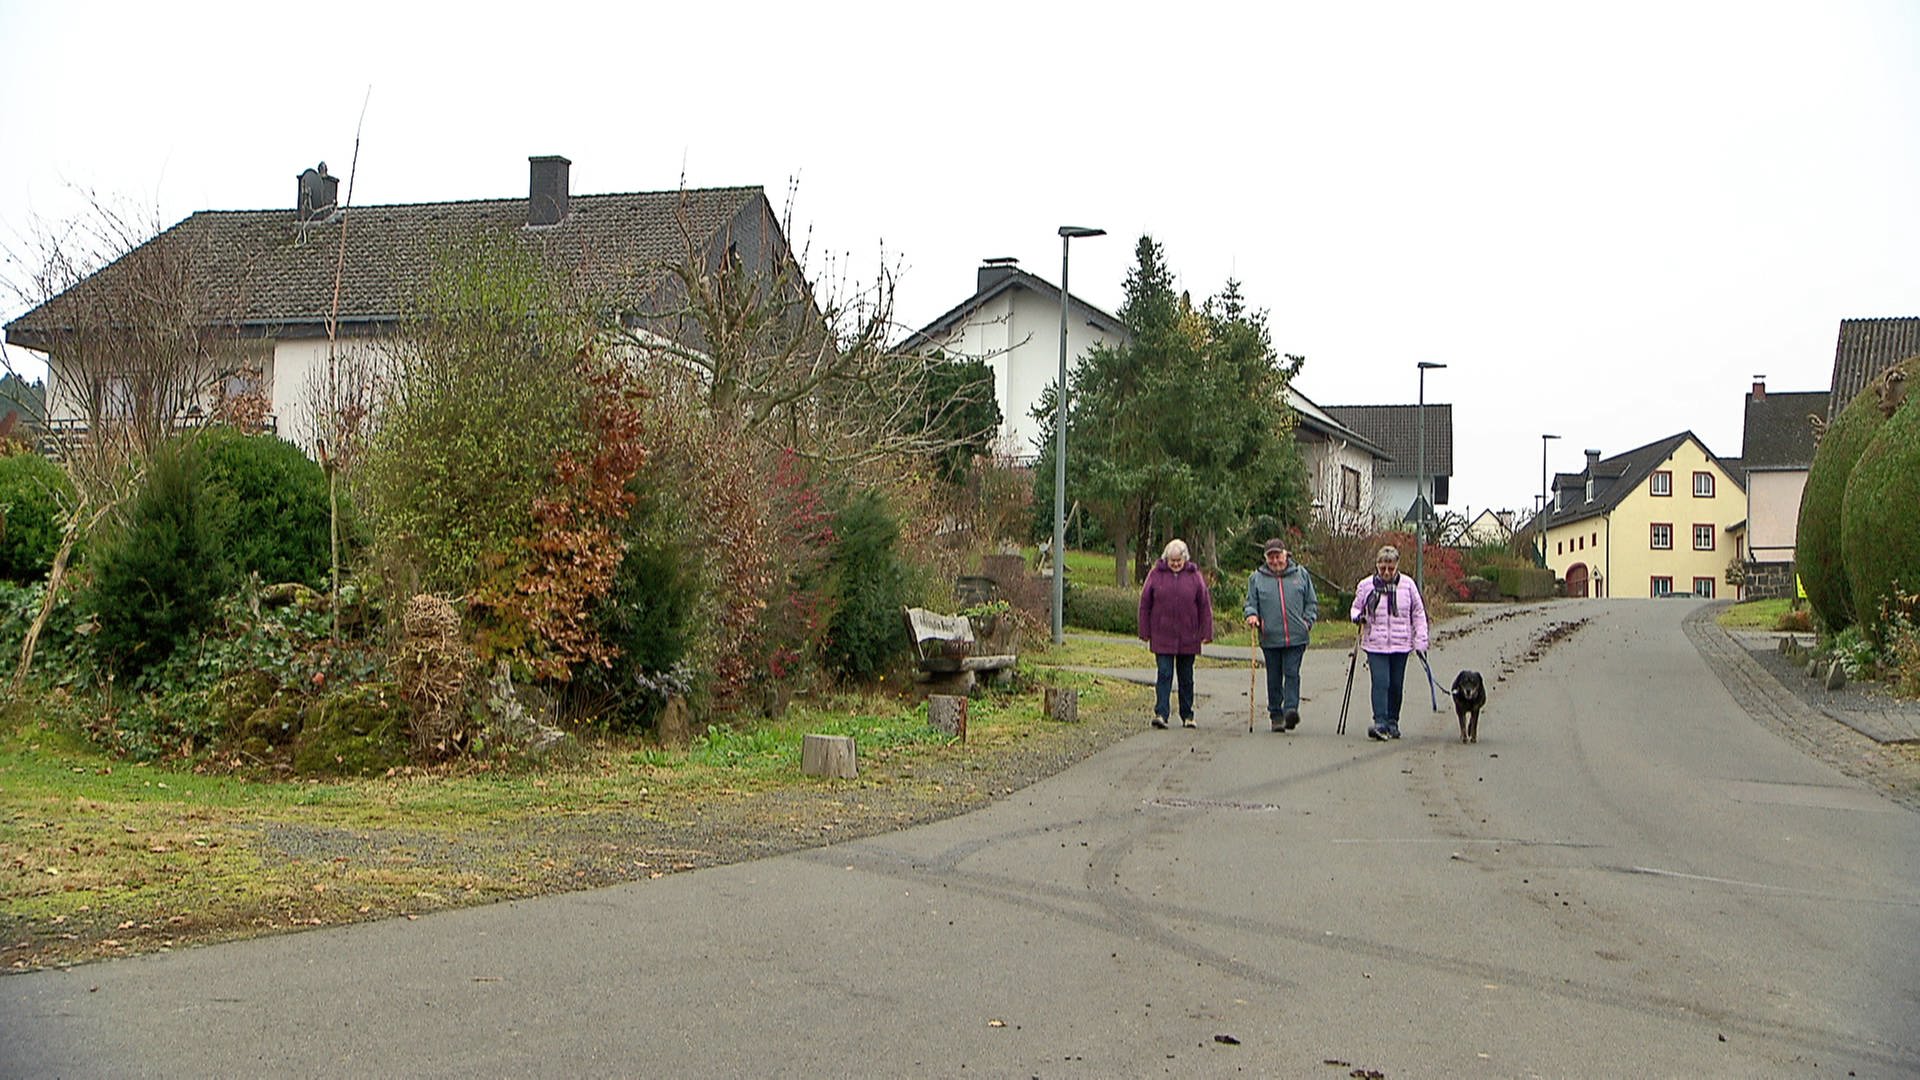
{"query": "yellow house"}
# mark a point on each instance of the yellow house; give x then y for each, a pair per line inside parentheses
(1649, 522)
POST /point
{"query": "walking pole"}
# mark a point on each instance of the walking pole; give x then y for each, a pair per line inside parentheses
(1433, 688)
(1352, 656)
(1253, 638)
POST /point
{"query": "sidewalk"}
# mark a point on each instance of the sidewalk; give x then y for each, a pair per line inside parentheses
(1866, 707)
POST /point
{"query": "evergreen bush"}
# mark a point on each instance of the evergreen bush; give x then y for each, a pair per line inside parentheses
(648, 617)
(1819, 552)
(864, 636)
(32, 491)
(1880, 518)
(271, 506)
(157, 573)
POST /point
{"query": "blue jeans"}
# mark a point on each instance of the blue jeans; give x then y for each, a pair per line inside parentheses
(1389, 673)
(1283, 678)
(1169, 666)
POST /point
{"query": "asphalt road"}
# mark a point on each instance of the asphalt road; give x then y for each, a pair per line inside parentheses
(1626, 876)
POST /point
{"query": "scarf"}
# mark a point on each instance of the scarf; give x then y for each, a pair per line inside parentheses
(1392, 592)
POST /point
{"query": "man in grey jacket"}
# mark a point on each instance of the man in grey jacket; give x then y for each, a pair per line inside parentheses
(1282, 605)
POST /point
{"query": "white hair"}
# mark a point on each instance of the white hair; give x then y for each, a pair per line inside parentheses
(1175, 547)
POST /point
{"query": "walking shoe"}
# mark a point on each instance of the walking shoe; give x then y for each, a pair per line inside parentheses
(1160, 722)
(1279, 725)
(1293, 719)
(1393, 733)
(1377, 733)
(1188, 722)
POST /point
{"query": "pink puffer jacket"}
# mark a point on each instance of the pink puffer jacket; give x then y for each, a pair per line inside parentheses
(1401, 628)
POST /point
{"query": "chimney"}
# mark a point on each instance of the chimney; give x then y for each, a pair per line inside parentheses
(1593, 464)
(547, 191)
(318, 194)
(1759, 388)
(992, 271)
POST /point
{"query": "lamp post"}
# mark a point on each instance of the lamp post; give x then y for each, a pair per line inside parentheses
(1542, 515)
(1067, 235)
(1420, 480)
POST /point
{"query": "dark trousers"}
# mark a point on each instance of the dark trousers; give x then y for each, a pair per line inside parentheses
(1389, 673)
(1283, 678)
(1171, 666)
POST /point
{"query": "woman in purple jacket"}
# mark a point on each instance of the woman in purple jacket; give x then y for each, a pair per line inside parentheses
(1176, 618)
(1393, 623)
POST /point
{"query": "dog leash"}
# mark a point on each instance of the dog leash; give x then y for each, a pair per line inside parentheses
(1433, 688)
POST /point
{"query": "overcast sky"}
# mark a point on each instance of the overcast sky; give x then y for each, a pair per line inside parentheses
(1604, 219)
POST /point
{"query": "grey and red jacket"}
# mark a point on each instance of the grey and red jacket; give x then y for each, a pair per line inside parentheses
(1176, 610)
(1286, 603)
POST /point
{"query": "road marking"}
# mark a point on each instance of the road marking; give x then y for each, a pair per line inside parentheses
(1786, 890)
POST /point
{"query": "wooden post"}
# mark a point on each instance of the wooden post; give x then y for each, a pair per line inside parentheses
(1063, 705)
(948, 713)
(829, 755)
(676, 729)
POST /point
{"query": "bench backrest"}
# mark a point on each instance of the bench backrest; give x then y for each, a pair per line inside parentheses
(924, 627)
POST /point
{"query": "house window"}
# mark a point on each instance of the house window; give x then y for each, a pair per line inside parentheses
(1559, 547)
(1661, 483)
(1703, 537)
(1349, 488)
(1703, 485)
(1662, 538)
(1662, 586)
(1703, 587)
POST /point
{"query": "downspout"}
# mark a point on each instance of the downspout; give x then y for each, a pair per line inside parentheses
(1609, 551)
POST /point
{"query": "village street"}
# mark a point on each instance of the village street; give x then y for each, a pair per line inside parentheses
(1629, 875)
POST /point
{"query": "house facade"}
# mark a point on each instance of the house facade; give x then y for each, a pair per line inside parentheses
(270, 276)
(1397, 430)
(1012, 322)
(1342, 466)
(1654, 521)
(1776, 450)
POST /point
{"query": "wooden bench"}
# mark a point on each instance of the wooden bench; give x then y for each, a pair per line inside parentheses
(943, 653)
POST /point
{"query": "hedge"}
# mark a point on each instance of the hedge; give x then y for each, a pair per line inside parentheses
(1819, 551)
(1880, 517)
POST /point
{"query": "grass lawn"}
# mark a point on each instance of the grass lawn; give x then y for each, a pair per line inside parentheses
(1755, 614)
(101, 857)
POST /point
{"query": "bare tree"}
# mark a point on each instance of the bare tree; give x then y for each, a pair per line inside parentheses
(792, 366)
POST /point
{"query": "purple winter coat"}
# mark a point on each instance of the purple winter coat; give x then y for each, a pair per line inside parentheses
(1176, 610)
(1396, 629)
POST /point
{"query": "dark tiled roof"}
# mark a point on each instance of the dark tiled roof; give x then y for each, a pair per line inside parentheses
(1776, 434)
(1011, 277)
(1621, 475)
(1394, 428)
(263, 270)
(1865, 349)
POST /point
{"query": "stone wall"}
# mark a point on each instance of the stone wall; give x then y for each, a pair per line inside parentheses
(1768, 581)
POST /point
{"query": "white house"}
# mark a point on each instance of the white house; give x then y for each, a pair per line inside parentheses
(1393, 428)
(1012, 321)
(270, 278)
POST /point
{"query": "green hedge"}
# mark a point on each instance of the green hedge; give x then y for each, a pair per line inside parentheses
(32, 490)
(1880, 517)
(1106, 608)
(1819, 552)
(1520, 582)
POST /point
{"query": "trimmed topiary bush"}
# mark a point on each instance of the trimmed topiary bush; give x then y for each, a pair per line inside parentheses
(32, 490)
(1880, 518)
(270, 504)
(1818, 550)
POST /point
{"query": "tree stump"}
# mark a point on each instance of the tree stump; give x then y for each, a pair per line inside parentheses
(1063, 705)
(948, 714)
(676, 731)
(829, 755)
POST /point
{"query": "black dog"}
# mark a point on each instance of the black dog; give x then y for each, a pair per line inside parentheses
(1469, 697)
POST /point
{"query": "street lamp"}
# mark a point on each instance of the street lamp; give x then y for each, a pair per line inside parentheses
(1541, 516)
(1420, 480)
(1067, 235)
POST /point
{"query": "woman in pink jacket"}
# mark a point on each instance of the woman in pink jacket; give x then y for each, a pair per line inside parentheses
(1393, 623)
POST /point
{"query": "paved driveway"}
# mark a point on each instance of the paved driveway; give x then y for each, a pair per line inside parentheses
(1627, 876)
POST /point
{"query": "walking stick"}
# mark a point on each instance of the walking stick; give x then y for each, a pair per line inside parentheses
(1433, 688)
(1352, 657)
(1253, 638)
